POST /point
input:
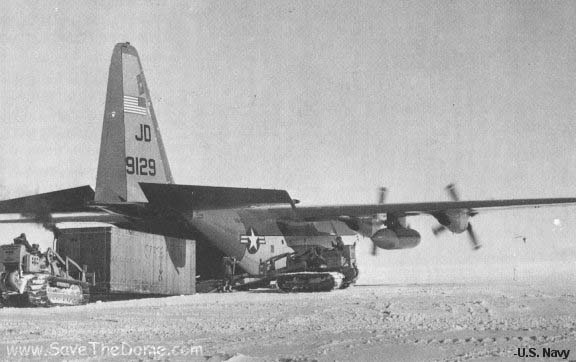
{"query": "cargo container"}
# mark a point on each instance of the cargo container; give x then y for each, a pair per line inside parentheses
(130, 262)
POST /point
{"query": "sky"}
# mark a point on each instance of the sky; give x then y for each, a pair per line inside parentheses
(326, 99)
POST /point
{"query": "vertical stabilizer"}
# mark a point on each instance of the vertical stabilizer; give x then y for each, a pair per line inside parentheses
(131, 149)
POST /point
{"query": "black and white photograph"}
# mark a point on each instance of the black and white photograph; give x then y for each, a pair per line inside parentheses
(289, 181)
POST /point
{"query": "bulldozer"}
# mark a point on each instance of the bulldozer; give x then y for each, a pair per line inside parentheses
(35, 279)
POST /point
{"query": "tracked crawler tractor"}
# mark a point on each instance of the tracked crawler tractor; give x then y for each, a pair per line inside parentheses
(311, 269)
(315, 269)
(34, 279)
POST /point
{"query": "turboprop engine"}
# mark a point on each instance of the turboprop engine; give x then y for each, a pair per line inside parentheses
(456, 220)
(397, 238)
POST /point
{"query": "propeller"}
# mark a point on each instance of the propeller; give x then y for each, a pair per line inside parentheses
(383, 192)
(455, 196)
(475, 243)
(437, 230)
(378, 219)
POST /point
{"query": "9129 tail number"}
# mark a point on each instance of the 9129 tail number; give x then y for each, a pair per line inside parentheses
(140, 166)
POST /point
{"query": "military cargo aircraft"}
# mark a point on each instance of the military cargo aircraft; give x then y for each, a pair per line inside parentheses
(262, 231)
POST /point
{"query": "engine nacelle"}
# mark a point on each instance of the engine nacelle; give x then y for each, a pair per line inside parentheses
(454, 220)
(399, 238)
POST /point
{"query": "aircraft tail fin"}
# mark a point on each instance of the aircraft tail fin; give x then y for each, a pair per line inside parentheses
(131, 148)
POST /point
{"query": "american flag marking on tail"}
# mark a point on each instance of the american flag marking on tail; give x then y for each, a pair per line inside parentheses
(135, 105)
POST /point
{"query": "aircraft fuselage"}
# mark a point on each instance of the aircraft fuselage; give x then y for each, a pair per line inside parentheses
(253, 236)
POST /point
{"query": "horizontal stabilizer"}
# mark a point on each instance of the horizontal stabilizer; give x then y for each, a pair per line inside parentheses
(185, 197)
(57, 201)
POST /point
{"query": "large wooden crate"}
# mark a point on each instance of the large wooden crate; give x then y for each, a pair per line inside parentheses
(130, 262)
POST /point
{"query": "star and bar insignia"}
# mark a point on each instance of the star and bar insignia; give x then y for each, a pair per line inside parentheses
(252, 241)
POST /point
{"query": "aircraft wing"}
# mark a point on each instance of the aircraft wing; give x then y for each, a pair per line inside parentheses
(183, 198)
(319, 213)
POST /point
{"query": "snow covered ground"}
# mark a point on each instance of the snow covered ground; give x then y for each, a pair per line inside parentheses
(396, 322)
